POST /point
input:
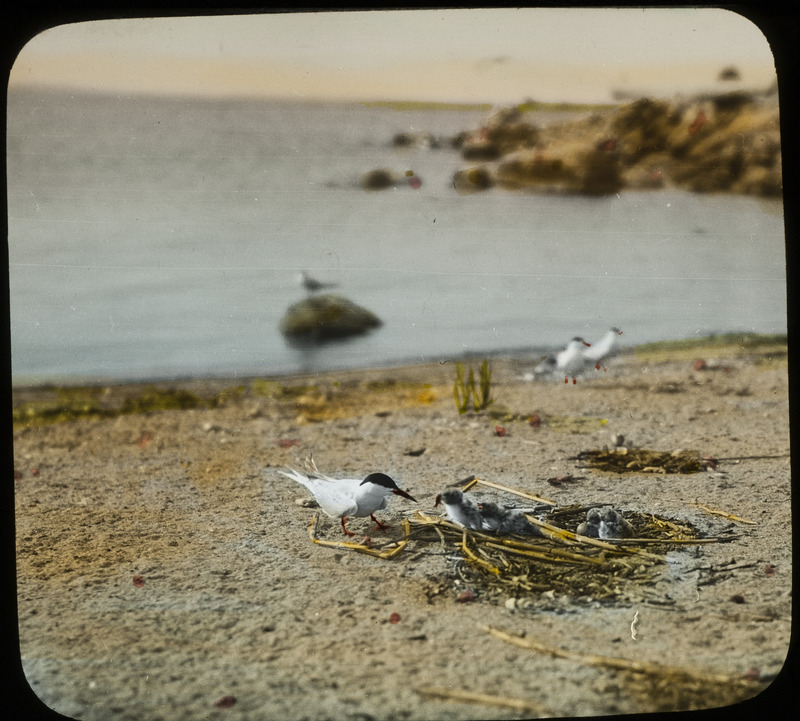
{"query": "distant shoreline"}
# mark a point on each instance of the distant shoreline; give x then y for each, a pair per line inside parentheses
(718, 345)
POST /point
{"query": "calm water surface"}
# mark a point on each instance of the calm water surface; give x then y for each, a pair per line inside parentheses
(156, 238)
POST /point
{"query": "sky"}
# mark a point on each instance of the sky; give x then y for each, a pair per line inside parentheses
(489, 55)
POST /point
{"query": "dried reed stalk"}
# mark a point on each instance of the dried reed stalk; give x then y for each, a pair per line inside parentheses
(681, 673)
(460, 696)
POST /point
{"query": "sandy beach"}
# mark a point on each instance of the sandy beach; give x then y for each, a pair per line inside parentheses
(165, 568)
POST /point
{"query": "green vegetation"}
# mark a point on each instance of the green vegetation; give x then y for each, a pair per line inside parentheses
(719, 345)
(480, 393)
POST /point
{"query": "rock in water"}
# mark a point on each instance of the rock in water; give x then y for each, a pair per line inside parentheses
(326, 317)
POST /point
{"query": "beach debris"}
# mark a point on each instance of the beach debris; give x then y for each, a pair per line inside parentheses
(674, 687)
(289, 442)
(640, 460)
(416, 452)
(225, 702)
(525, 706)
(467, 596)
(738, 598)
(635, 626)
(723, 514)
(144, 439)
(386, 550)
(560, 480)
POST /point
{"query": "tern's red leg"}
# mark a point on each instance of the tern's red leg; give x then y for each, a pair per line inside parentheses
(566, 379)
(344, 527)
(574, 380)
(381, 526)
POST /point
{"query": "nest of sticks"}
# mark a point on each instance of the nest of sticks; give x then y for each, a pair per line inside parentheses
(558, 561)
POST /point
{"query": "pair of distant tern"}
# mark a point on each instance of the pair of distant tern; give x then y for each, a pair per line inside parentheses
(579, 356)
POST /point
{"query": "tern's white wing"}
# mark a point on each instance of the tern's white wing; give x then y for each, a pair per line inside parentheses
(603, 347)
(335, 497)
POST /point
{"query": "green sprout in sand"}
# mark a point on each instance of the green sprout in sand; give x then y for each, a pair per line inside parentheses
(481, 393)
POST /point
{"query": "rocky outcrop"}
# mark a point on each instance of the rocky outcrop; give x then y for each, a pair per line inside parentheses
(326, 317)
(723, 143)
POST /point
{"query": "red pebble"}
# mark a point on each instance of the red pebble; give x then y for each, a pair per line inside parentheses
(535, 420)
(138, 581)
(752, 674)
(699, 365)
(500, 431)
(415, 182)
(769, 570)
(288, 442)
(394, 618)
(467, 596)
(225, 702)
(17, 474)
(35, 472)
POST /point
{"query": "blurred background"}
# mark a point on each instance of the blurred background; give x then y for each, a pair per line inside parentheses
(483, 181)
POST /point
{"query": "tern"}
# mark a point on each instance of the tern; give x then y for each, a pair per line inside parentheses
(460, 510)
(571, 361)
(604, 348)
(312, 285)
(346, 497)
(613, 525)
(591, 526)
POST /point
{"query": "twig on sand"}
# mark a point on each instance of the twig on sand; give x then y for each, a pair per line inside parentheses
(460, 696)
(620, 664)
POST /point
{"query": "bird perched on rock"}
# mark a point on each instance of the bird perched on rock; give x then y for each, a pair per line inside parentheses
(348, 497)
(460, 510)
(591, 526)
(312, 285)
(613, 525)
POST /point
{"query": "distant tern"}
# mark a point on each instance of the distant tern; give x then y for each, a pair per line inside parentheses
(312, 285)
(350, 497)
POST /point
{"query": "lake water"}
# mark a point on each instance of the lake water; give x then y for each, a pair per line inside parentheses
(161, 238)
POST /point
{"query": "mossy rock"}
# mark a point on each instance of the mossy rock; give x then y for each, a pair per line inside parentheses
(326, 317)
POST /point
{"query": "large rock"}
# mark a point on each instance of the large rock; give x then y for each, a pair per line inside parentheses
(326, 317)
(717, 143)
